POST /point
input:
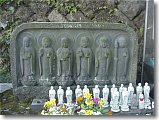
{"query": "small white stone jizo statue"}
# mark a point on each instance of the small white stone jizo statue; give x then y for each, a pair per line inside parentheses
(115, 102)
(96, 92)
(113, 89)
(138, 90)
(124, 106)
(141, 101)
(121, 89)
(52, 93)
(131, 92)
(85, 90)
(105, 95)
(78, 91)
(146, 94)
(60, 94)
(69, 96)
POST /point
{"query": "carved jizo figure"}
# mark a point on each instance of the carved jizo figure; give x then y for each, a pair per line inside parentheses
(102, 60)
(121, 56)
(27, 59)
(46, 56)
(84, 58)
(64, 63)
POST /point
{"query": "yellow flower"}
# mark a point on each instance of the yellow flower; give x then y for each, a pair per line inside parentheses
(53, 102)
(47, 104)
(88, 95)
(89, 102)
(101, 102)
(89, 112)
(50, 103)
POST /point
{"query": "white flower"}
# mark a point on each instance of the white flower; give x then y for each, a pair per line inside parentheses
(81, 112)
(42, 112)
(52, 109)
(97, 113)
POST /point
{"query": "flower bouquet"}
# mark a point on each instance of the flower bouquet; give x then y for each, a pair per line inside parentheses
(50, 108)
(90, 106)
(85, 105)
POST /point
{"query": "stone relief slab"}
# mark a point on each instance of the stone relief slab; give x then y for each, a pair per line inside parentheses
(67, 54)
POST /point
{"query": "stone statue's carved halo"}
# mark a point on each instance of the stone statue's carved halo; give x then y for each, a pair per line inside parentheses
(67, 35)
(50, 37)
(109, 40)
(118, 35)
(30, 35)
(79, 36)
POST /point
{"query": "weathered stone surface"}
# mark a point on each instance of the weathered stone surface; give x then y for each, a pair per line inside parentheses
(123, 19)
(6, 16)
(55, 16)
(39, 8)
(95, 4)
(139, 20)
(24, 13)
(77, 17)
(87, 7)
(131, 8)
(63, 11)
(39, 18)
(101, 16)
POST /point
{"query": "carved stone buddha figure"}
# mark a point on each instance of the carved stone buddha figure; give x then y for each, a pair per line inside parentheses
(84, 59)
(46, 56)
(27, 62)
(102, 60)
(64, 63)
(121, 56)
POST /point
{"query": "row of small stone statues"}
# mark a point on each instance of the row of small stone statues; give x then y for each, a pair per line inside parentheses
(124, 98)
(64, 62)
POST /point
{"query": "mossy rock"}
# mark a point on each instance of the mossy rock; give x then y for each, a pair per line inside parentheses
(11, 106)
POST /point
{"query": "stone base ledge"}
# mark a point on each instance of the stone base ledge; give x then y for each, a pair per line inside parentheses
(42, 92)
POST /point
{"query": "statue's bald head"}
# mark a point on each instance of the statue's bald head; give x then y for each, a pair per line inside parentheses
(103, 41)
(45, 42)
(26, 41)
(84, 41)
(65, 42)
(122, 41)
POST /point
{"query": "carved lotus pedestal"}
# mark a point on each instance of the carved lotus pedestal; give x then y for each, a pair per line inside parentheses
(64, 82)
(124, 82)
(102, 82)
(28, 81)
(84, 82)
(119, 82)
(47, 82)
